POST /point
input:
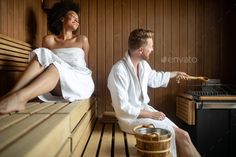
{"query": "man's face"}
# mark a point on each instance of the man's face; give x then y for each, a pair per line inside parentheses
(147, 49)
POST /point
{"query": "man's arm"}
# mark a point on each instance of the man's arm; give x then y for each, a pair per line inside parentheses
(118, 86)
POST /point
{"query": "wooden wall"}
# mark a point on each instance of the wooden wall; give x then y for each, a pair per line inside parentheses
(21, 20)
(190, 36)
(194, 36)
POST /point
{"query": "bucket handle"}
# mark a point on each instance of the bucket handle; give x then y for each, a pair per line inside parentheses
(153, 134)
(144, 126)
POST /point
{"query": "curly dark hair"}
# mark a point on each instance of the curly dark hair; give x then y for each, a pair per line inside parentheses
(59, 10)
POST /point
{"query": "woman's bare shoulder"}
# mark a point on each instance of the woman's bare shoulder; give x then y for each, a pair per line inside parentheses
(81, 38)
(48, 40)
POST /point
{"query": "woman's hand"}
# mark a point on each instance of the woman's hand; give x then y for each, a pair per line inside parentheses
(152, 115)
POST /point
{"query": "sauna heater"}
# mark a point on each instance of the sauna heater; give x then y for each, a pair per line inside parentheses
(208, 113)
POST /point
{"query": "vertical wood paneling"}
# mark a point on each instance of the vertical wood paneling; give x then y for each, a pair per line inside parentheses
(10, 11)
(183, 28)
(22, 19)
(175, 46)
(101, 85)
(183, 37)
(83, 29)
(199, 36)
(191, 37)
(167, 104)
(109, 48)
(134, 14)
(4, 21)
(142, 16)
(158, 48)
(125, 24)
(151, 26)
(92, 35)
(117, 30)
(16, 19)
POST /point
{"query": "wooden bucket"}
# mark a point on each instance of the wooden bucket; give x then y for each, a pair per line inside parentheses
(151, 141)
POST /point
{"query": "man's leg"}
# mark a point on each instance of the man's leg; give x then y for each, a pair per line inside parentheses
(44, 83)
(184, 144)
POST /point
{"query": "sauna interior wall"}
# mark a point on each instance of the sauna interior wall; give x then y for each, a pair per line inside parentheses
(195, 36)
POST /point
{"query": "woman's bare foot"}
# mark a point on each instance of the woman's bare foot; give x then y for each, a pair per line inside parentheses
(11, 103)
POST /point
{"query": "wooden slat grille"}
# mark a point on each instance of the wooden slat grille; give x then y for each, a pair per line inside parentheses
(13, 54)
(185, 110)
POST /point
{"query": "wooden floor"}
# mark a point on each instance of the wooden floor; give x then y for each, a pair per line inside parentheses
(107, 140)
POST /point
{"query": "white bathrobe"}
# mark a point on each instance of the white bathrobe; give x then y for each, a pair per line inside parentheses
(129, 95)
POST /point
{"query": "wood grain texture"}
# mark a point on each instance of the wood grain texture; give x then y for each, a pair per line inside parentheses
(43, 140)
(201, 30)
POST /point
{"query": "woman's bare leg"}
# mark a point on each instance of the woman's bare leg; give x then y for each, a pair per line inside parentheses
(44, 83)
(184, 144)
(31, 72)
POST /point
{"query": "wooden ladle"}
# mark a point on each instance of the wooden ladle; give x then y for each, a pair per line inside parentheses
(202, 78)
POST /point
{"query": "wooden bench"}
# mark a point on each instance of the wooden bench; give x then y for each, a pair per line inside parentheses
(62, 130)
(55, 129)
(48, 129)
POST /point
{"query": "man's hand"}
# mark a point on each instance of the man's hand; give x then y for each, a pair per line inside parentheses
(152, 115)
(179, 76)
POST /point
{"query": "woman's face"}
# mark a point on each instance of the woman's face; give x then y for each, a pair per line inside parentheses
(71, 20)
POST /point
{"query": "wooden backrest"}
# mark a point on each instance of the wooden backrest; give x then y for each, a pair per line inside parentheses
(13, 54)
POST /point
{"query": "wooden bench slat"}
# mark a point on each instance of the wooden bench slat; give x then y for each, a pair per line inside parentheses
(13, 58)
(14, 41)
(79, 130)
(14, 49)
(65, 150)
(92, 146)
(76, 110)
(44, 140)
(119, 143)
(36, 108)
(12, 63)
(131, 141)
(13, 132)
(13, 54)
(10, 120)
(53, 108)
(12, 68)
(82, 142)
(105, 149)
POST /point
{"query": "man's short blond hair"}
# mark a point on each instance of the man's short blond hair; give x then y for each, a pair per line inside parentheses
(138, 38)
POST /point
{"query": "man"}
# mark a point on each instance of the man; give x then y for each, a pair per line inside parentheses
(128, 83)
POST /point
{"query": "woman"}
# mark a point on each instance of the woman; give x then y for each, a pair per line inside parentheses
(57, 72)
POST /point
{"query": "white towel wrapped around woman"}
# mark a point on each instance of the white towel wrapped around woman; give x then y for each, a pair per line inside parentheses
(75, 78)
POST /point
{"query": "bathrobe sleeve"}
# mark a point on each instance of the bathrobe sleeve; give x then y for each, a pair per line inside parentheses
(118, 84)
(157, 78)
